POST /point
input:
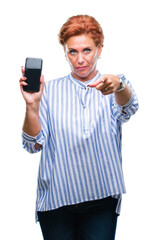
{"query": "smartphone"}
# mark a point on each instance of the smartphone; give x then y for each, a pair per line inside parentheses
(33, 70)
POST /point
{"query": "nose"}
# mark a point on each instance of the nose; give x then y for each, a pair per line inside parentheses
(80, 59)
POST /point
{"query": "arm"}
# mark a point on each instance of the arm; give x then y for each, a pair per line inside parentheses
(32, 125)
(124, 103)
(123, 97)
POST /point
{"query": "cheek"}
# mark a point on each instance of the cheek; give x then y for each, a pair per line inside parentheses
(94, 58)
(70, 61)
(93, 61)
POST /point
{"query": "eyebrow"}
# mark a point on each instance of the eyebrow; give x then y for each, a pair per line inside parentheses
(71, 49)
(83, 48)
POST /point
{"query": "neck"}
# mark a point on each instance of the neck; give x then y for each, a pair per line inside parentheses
(85, 78)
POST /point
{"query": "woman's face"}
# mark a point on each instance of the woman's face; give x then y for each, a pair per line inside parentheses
(82, 55)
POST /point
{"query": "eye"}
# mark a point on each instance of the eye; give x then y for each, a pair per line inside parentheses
(87, 50)
(72, 52)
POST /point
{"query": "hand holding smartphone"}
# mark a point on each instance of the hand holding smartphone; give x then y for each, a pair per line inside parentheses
(33, 70)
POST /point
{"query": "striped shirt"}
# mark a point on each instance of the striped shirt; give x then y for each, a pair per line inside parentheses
(81, 143)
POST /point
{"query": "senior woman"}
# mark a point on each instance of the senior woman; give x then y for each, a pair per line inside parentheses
(76, 122)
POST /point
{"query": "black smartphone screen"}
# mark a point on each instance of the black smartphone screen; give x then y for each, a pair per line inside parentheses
(33, 70)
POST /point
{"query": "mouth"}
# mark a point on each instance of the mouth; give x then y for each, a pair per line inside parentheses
(81, 68)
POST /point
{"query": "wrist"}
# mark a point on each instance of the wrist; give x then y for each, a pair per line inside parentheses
(121, 85)
(33, 107)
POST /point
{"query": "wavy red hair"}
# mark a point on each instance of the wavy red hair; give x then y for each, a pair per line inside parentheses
(81, 24)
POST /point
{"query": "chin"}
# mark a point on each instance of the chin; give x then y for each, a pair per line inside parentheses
(82, 75)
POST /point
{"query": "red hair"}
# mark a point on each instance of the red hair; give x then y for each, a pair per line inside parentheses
(81, 24)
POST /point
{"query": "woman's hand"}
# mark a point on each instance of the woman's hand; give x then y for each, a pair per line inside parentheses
(32, 125)
(107, 84)
(31, 98)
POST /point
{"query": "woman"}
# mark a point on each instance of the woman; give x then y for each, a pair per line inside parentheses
(76, 122)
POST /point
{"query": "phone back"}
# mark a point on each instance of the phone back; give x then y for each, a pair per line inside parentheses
(33, 69)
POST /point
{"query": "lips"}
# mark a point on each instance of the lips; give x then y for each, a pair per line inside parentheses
(81, 68)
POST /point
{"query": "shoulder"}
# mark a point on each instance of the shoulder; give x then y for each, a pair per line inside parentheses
(58, 81)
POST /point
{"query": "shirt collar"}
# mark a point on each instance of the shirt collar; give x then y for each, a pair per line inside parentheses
(86, 83)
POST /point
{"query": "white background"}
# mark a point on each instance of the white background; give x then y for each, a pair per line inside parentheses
(29, 29)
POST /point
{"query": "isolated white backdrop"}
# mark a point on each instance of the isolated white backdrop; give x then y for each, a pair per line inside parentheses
(29, 29)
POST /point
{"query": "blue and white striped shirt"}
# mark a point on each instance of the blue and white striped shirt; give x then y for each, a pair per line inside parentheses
(81, 143)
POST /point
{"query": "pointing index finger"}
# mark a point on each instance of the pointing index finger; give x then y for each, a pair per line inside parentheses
(98, 81)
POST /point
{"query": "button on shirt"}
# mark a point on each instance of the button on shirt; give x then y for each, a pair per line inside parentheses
(81, 143)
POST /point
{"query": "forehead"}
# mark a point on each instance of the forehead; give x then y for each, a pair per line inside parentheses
(80, 41)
